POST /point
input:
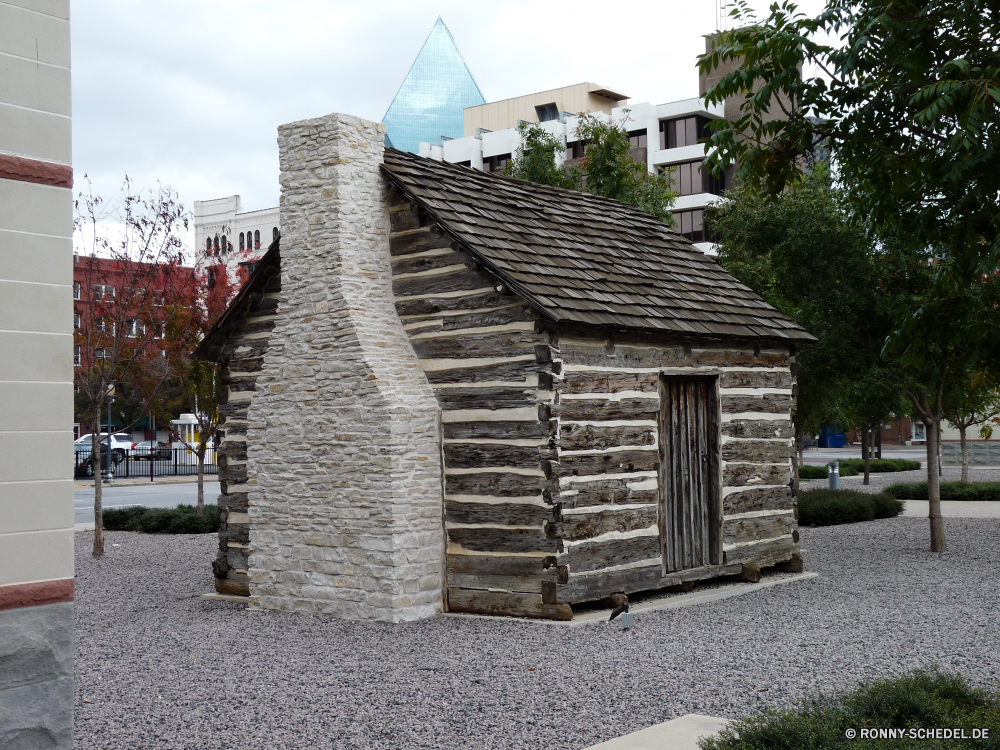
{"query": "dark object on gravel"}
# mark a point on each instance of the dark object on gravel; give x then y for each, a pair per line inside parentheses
(183, 519)
(832, 507)
(949, 490)
(918, 701)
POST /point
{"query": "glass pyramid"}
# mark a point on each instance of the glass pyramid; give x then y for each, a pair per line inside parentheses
(429, 104)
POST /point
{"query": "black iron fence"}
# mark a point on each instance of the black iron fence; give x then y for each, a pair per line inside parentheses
(144, 462)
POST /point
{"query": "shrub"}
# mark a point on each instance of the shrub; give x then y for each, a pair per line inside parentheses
(917, 700)
(831, 507)
(880, 465)
(809, 471)
(949, 490)
(183, 519)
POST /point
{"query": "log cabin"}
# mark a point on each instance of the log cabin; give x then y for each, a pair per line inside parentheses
(449, 390)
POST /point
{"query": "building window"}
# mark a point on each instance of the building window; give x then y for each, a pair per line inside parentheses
(256, 240)
(684, 131)
(77, 357)
(216, 244)
(158, 298)
(77, 289)
(213, 277)
(76, 321)
(103, 291)
(691, 224)
(134, 328)
(250, 265)
(274, 233)
(102, 325)
(637, 139)
(208, 246)
(495, 163)
(101, 353)
(576, 149)
(242, 245)
(689, 178)
(224, 244)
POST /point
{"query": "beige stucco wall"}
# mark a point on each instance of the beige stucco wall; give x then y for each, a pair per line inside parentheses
(505, 113)
(36, 273)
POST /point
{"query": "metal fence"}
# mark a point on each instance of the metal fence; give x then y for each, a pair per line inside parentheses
(151, 463)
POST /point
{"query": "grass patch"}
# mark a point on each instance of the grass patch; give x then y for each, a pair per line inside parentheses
(832, 507)
(183, 519)
(917, 700)
(949, 490)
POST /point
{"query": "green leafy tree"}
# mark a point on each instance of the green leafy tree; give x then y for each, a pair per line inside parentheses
(970, 401)
(535, 159)
(802, 253)
(608, 168)
(612, 172)
(907, 103)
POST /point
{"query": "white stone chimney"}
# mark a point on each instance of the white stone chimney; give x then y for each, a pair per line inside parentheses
(343, 442)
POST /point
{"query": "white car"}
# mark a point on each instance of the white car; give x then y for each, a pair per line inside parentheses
(121, 445)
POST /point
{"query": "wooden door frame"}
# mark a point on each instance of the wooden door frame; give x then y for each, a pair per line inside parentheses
(713, 421)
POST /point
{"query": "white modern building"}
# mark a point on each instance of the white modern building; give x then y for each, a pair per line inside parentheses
(663, 136)
(223, 229)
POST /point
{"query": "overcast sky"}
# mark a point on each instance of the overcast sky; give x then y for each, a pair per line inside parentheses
(190, 92)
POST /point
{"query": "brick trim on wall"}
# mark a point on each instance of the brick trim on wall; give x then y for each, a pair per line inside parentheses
(33, 170)
(33, 594)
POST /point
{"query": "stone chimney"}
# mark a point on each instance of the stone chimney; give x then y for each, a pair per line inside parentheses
(344, 467)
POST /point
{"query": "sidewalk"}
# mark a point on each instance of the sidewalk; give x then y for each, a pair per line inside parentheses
(682, 733)
(82, 484)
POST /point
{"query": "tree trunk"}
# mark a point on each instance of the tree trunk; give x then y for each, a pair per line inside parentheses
(201, 481)
(95, 456)
(934, 489)
(965, 452)
(866, 439)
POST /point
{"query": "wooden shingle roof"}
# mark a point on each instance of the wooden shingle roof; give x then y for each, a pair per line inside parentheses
(580, 258)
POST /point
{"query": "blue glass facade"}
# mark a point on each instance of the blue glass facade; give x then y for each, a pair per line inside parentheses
(429, 104)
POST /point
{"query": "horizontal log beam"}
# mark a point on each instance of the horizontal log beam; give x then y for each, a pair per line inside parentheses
(417, 241)
(431, 304)
(761, 498)
(609, 382)
(604, 463)
(509, 604)
(503, 344)
(740, 475)
(588, 525)
(519, 314)
(756, 450)
(474, 456)
(596, 437)
(605, 554)
(758, 428)
(626, 356)
(598, 410)
(769, 403)
(738, 530)
(509, 514)
(499, 484)
(756, 379)
(492, 397)
(495, 539)
(763, 554)
(588, 587)
(420, 263)
(497, 430)
(442, 282)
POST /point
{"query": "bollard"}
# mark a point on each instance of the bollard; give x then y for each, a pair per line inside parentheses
(626, 620)
(834, 475)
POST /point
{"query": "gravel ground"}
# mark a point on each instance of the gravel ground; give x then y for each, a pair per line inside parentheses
(158, 667)
(883, 479)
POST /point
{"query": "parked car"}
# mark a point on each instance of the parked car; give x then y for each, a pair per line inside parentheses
(121, 446)
(150, 449)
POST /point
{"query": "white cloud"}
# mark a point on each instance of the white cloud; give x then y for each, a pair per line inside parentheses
(190, 93)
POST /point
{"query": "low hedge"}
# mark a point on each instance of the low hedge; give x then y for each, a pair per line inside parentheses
(832, 507)
(851, 467)
(183, 519)
(880, 465)
(949, 490)
(915, 701)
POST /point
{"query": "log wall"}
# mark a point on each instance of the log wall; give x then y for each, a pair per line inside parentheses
(550, 440)
(240, 364)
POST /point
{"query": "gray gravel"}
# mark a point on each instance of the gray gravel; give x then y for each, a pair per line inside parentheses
(879, 481)
(158, 667)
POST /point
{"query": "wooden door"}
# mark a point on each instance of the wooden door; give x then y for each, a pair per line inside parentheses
(690, 515)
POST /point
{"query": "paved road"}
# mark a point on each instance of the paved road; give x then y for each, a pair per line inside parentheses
(153, 496)
(824, 455)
